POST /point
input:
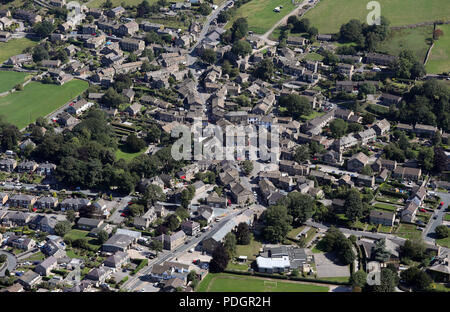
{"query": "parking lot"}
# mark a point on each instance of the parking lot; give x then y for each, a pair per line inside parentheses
(188, 257)
(327, 266)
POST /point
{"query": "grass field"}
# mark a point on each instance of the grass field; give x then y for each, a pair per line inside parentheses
(77, 234)
(444, 242)
(447, 217)
(24, 107)
(223, 282)
(260, 15)
(329, 15)
(249, 250)
(9, 79)
(408, 231)
(124, 154)
(14, 47)
(414, 40)
(439, 60)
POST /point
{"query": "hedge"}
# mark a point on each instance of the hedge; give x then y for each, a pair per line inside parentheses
(143, 263)
(286, 277)
(394, 194)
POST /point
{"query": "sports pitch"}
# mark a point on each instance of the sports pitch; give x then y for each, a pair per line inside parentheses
(224, 282)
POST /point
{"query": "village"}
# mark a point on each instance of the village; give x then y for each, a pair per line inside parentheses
(91, 199)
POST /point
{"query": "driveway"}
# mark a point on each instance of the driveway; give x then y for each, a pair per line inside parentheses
(328, 266)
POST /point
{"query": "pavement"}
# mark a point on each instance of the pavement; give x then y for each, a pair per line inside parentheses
(429, 231)
(327, 265)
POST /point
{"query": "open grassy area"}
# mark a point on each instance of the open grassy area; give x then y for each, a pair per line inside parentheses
(37, 256)
(9, 79)
(36, 100)
(313, 56)
(260, 15)
(439, 60)
(439, 287)
(14, 47)
(408, 231)
(294, 232)
(445, 242)
(385, 229)
(251, 250)
(329, 15)
(389, 199)
(223, 282)
(123, 153)
(386, 207)
(237, 266)
(313, 115)
(447, 217)
(77, 234)
(414, 39)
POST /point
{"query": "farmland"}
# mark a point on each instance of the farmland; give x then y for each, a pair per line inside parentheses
(14, 47)
(24, 107)
(329, 15)
(439, 60)
(416, 40)
(224, 282)
(260, 15)
(8, 79)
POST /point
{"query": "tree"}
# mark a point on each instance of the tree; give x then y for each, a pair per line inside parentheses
(243, 235)
(413, 249)
(380, 251)
(352, 32)
(70, 215)
(44, 28)
(358, 279)
(173, 222)
(388, 281)
(368, 119)
(338, 128)
(295, 105)
(440, 160)
(135, 144)
(300, 206)
(112, 99)
(40, 53)
(62, 228)
(437, 34)
(156, 245)
(230, 244)
(219, 261)
(442, 231)
(153, 193)
(205, 9)
(223, 17)
(241, 48)
(416, 278)
(102, 236)
(278, 223)
(208, 56)
(247, 165)
(264, 69)
(354, 205)
(239, 29)
(193, 278)
(367, 170)
(108, 4)
(182, 213)
(302, 154)
(3, 258)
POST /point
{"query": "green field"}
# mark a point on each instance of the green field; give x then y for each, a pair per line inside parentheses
(444, 242)
(14, 47)
(9, 79)
(223, 282)
(447, 217)
(414, 39)
(77, 234)
(260, 15)
(251, 250)
(36, 100)
(408, 231)
(329, 15)
(439, 60)
(124, 154)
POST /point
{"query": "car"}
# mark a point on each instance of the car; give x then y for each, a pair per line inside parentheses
(123, 214)
(435, 217)
(422, 210)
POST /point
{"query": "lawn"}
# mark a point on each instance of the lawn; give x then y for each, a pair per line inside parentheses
(313, 56)
(313, 115)
(237, 266)
(260, 15)
(126, 155)
(294, 232)
(439, 60)
(251, 250)
(389, 199)
(385, 229)
(414, 40)
(9, 79)
(38, 100)
(77, 234)
(223, 282)
(447, 217)
(385, 207)
(14, 47)
(329, 15)
(408, 231)
(342, 279)
(445, 242)
(37, 256)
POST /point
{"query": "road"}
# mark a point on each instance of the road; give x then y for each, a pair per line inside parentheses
(116, 217)
(11, 262)
(136, 282)
(429, 232)
(34, 187)
(331, 169)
